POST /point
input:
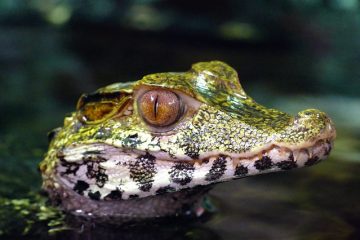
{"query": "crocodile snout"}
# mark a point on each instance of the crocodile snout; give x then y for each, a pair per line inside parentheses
(317, 122)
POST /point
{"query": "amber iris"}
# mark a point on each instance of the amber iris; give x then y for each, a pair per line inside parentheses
(160, 108)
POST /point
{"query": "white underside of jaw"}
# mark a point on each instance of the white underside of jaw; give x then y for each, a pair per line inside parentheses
(165, 175)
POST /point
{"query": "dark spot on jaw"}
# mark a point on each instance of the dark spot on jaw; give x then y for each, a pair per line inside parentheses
(70, 168)
(143, 170)
(80, 187)
(217, 169)
(114, 195)
(94, 170)
(312, 161)
(182, 173)
(263, 164)
(94, 196)
(287, 164)
(241, 170)
(145, 187)
(164, 190)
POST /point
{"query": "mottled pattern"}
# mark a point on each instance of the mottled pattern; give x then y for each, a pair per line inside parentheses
(114, 195)
(287, 164)
(264, 163)
(182, 173)
(241, 171)
(143, 171)
(97, 172)
(81, 186)
(94, 195)
(129, 174)
(107, 153)
(217, 169)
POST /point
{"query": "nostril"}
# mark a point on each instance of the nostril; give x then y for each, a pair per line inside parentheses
(313, 114)
(315, 120)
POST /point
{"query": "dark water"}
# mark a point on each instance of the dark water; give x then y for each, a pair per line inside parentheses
(289, 56)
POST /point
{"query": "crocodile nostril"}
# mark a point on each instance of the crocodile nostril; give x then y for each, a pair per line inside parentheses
(313, 114)
(315, 121)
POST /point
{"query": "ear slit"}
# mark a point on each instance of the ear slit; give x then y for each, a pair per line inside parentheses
(96, 107)
(98, 97)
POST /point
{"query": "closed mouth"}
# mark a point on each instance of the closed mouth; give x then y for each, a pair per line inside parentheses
(107, 169)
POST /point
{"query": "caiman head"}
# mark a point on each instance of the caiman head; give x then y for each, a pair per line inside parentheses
(174, 131)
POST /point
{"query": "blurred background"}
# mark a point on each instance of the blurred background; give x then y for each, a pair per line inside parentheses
(290, 55)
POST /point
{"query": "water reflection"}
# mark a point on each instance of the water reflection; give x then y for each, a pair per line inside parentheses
(157, 231)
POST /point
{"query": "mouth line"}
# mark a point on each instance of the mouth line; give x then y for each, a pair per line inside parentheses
(144, 174)
(321, 148)
(277, 151)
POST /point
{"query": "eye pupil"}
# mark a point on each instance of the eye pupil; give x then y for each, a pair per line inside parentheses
(159, 107)
(156, 105)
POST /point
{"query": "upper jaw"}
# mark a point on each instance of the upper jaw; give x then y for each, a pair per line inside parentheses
(300, 155)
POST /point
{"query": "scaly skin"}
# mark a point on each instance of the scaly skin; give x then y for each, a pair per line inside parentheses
(99, 167)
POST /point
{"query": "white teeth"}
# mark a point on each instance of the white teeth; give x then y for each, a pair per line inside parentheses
(301, 156)
(318, 150)
(309, 152)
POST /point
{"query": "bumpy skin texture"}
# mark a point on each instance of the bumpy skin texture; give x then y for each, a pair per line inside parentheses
(221, 135)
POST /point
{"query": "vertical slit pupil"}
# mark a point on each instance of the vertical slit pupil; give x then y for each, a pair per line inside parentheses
(156, 105)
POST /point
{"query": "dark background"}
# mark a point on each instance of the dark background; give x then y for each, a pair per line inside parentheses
(289, 54)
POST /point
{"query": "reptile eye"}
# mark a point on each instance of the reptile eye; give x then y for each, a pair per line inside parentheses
(160, 108)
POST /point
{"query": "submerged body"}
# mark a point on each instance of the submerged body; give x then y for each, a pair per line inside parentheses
(152, 148)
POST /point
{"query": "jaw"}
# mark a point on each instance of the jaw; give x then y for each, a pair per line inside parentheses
(105, 173)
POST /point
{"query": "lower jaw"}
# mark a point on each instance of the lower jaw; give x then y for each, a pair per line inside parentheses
(183, 203)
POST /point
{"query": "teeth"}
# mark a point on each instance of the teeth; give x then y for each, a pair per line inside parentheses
(278, 154)
(301, 156)
(309, 152)
(318, 150)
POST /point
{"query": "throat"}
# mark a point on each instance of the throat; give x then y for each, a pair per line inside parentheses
(184, 203)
